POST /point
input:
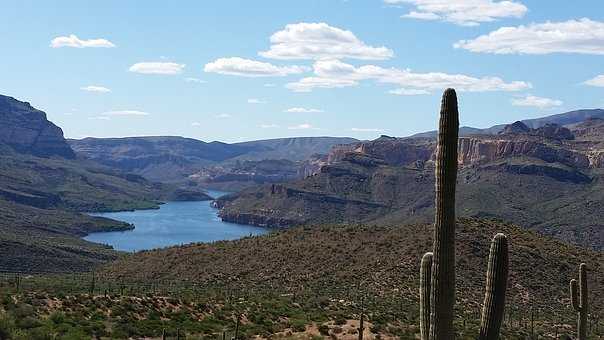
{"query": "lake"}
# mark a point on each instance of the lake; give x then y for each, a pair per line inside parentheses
(173, 223)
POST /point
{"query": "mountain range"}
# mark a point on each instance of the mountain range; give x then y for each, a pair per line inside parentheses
(544, 177)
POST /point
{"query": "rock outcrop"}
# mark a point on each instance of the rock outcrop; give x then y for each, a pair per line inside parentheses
(515, 128)
(27, 129)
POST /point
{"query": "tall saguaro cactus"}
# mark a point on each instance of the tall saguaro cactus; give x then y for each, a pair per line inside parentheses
(494, 296)
(442, 297)
(579, 301)
(437, 273)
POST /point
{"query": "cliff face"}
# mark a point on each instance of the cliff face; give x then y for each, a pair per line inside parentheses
(26, 129)
(481, 150)
(550, 143)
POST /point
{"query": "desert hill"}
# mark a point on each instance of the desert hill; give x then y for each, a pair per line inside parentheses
(382, 261)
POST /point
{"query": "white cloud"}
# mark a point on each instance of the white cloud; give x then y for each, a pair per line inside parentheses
(302, 110)
(304, 126)
(223, 115)
(334, 73)
(463, 12)
(318, 41)
(165, 68)
(597, 81)
(421, 15)
(533, 101)
(408, 92)
(583, 36)
(268, 126)
(195, 80)
(250, 68)
(73, 41)
(366, 130)
(309, 83)
(99, 118)
(256, 101)
(125, 113)
(196, 124)
(94, 88)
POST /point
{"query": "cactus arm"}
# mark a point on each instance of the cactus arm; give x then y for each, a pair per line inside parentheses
(425, 280)
(494, 298)
(583, 284)
(443, 268)
(574, 300)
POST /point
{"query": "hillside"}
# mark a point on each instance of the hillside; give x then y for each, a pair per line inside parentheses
(382, 261)
(531, 178)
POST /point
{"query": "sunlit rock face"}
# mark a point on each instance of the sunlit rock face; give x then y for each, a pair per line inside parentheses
(26, 129)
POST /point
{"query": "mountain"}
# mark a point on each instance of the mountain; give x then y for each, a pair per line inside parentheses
(567, 118)
(27, 130)
(545, 179)
(173, 159)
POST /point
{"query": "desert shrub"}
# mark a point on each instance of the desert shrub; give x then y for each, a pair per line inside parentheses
(298, 325)
(7, 325)
(28, 322)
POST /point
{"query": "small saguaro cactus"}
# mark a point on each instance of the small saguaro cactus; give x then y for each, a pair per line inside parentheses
(425, 278)
(493, 307)
(437, 273)
(579, 301)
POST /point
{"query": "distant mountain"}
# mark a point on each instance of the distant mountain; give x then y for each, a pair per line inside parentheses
(567, 118)
(293, 149)
(26, 129)
(156, 158)
(171, 159)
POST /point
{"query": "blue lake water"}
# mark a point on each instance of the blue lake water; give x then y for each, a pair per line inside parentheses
(173, 223)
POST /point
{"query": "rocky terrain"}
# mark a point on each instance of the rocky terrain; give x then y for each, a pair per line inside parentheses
(547, 179)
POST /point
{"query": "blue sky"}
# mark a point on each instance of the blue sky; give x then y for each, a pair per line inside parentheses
(242, 70)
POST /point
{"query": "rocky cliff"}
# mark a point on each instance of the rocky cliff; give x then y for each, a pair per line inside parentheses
(26, 129)
(550, 143)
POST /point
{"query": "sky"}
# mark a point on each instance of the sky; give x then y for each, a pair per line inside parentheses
(245, 70)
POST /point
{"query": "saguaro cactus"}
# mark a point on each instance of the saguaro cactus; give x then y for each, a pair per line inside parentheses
(579, 301)
(425, 280)
(442, 297)
(494, 297)
(437, 273)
